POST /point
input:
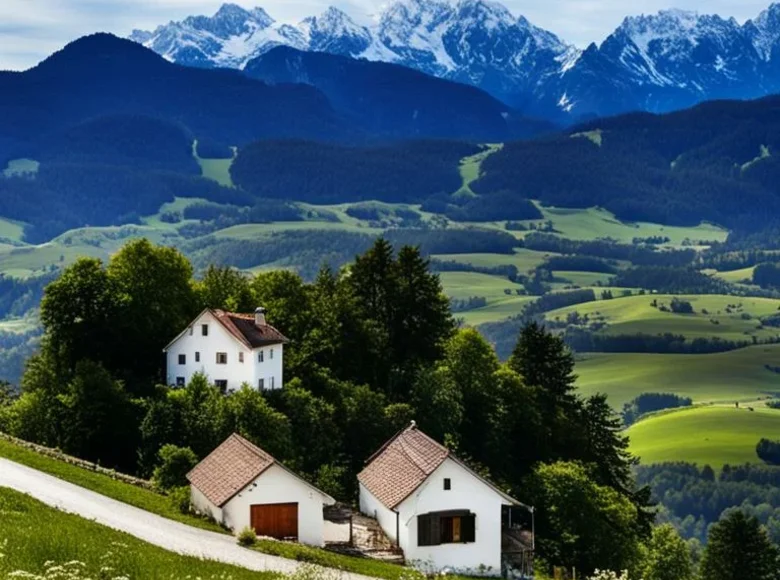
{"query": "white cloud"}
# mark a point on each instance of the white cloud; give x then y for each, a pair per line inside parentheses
(32, 29)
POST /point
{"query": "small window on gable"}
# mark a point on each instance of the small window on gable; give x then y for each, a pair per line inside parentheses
(191, 330)
(261, 384)
(271, 354)
(180, 382)
(204, 329)
(447, 484)
(221, 358)
(197, 357)
(260, 356)
(221, 385)
(241, 357)
(182, 359)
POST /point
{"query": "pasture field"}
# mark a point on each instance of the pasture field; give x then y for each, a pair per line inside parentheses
(11, 230)
(736, 276)
(216, 169)
(739, 375)
(584, 279)
(727, 317)
(27, 545)
(713, 436)
(523, 259)
(470, 168)
(495, 311)
(464, 285)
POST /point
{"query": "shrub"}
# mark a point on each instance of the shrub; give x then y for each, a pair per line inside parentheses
(175, 463)
(180, 498)
(247, 537)
(769, 451)
(681, 306)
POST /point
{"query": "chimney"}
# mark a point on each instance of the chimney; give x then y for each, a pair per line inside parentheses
(260, 317)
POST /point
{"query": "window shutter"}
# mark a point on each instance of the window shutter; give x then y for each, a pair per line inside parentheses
(428, 530)
(468, 528)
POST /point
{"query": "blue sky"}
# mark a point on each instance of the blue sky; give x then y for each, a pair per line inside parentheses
(32, 29)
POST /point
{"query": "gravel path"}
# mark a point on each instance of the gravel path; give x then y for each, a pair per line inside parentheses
(146, 526)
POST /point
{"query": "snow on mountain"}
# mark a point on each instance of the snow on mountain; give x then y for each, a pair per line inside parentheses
(656, 62)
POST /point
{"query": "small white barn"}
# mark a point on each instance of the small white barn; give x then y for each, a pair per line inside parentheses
(240, 486)
(230, 349)
(437, 510)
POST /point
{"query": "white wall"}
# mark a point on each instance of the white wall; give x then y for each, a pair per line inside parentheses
(220, 340)
(468, 492)
(270, 368)
(373, 508)
(203, 505)
(277, 485)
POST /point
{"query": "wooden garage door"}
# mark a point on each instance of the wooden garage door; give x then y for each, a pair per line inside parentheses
(277, 520)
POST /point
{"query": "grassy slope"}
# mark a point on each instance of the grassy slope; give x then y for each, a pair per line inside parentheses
(470, 169)
(723, 377)
(523, 259)
(32, 534)
(704, 435)
(635, 315)
(103, 484)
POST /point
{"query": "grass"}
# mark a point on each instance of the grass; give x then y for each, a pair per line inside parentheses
(216, 169)
(321, 557)
(713, 436)
(463, 285)
(596, 136)
(584, 279)
(11, 230)
(130, 494)
(523, 259)
(21, 167)
(763, 153)
(635, 314)
(736, 276)
(738, 375)
(470, 169)
(33, 534)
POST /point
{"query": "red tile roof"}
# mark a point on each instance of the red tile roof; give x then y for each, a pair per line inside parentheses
(229, 469)
(243, 327)
(395, 471)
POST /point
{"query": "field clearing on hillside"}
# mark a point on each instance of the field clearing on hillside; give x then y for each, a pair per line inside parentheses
(584, 279)
(215, 169)
(713, 436)
(523, 259)
(19, 167)
(736, 276)
(27, 545)
(176, 206)
(496, 311)
(464, 285)
(254, 231)
(11, 230)
(738, 375)
(632, 315)
(470, 169)
(594, 223)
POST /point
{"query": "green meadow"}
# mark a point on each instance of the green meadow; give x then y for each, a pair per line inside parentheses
(715, 436)
(739, 375)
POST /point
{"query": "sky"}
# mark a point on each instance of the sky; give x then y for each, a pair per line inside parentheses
(32, 29)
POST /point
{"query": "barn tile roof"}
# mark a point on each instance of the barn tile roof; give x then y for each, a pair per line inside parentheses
(395, 471)
(229, 469)
(243, 327)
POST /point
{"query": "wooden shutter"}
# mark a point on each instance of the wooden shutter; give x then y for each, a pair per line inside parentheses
(428, 530)
(468, 528)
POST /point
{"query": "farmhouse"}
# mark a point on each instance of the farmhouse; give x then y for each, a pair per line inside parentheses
(438, 511)
(230, 349)
(240, 485)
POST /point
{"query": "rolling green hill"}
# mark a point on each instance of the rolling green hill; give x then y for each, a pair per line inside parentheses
(705, 435)
(740, 375)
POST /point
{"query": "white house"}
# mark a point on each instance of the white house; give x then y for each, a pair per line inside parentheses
(230, 349)
(438, 511)
(241, 485)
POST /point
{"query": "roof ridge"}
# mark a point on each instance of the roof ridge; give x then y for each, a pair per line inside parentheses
(409, 456)
(252, 447)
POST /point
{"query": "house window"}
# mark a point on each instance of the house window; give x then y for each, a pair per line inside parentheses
(197, 357)
(204, 329)
(273, 382)
(191, 329)
(182, 359)
(221, 358)
(261, 384)
(447, 484)
(271, 354)
(221, 385)
(260, 356)
(180, 382)
(241, 357)
(455, 527)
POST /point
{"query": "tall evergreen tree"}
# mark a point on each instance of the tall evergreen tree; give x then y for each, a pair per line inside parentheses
(738, 548)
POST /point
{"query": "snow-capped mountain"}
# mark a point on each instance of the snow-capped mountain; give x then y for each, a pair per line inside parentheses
(657, 63)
